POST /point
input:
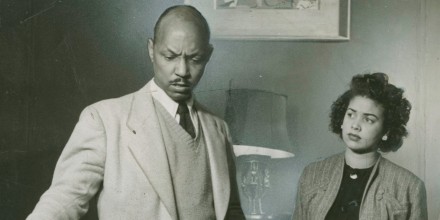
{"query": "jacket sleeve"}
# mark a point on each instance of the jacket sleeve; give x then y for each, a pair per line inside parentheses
(235, 211)
(419, 210)
(78, 174)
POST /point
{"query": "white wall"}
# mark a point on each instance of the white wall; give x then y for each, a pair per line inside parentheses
(431, 70)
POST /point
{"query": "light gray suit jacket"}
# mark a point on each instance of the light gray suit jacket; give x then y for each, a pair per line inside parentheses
(117, 150)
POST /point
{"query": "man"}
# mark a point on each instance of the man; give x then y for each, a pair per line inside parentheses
(156, 153)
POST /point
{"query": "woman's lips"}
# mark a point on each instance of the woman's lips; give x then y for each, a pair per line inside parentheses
(353, 137)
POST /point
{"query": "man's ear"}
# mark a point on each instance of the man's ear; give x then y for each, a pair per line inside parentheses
(151, 49)
(210, 50)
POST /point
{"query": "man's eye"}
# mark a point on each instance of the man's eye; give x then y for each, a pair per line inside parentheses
(169, 57)
(197, 59)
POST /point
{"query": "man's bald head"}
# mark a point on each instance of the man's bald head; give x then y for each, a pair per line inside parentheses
(184, 14)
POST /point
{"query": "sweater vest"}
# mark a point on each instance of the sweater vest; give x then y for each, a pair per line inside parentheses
(189, 166)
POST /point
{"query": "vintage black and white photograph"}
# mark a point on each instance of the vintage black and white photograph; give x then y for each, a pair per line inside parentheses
(219, 109)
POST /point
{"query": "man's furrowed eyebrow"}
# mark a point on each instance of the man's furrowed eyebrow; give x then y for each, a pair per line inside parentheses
(169, 50)
(195, 54)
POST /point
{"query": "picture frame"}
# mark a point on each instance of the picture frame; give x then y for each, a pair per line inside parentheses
(327, 20)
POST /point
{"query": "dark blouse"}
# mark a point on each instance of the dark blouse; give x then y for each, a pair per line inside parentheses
(348, 200)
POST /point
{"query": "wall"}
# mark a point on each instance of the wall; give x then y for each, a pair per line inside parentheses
(431, 91)
(79, 52)
(313, 74)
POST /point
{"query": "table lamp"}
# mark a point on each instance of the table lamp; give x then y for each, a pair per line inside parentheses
(257, 121)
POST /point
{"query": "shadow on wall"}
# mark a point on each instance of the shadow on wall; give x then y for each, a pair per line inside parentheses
(24, 175)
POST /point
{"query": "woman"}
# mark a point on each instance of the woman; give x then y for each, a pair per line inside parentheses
(360, 184)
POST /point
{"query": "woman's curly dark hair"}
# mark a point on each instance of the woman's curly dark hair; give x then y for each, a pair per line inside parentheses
(376, 87)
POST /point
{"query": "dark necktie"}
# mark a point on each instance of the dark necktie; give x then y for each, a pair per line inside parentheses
(185, 119)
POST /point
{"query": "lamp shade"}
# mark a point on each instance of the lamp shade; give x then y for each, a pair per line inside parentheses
(257, 118)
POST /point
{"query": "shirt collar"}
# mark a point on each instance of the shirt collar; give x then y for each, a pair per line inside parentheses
(169, 104)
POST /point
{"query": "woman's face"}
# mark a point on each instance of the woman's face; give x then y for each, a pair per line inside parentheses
(362, 128)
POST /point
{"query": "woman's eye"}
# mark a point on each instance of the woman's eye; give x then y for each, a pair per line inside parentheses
(371, 121)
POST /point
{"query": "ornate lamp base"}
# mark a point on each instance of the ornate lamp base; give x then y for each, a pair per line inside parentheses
(254, 169)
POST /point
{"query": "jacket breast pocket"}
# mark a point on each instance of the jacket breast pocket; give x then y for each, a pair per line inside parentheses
(395, 209)
(313, 198)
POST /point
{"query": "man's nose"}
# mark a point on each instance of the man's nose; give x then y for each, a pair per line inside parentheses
(182, 69)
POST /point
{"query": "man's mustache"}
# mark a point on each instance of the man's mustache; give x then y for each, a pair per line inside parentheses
(180, 81)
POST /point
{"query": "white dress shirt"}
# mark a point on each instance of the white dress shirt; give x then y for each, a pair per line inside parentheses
(171, 106)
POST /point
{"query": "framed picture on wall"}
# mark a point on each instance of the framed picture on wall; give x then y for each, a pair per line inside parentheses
(277, 19)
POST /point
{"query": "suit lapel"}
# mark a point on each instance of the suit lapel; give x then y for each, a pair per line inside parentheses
(218, 162)
(148, 149)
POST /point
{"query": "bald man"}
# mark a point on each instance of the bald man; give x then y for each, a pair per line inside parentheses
(156, 153)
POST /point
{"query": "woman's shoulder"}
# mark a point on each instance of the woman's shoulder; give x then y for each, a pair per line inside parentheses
(329, 161)
(322, 170)
(399, 175)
